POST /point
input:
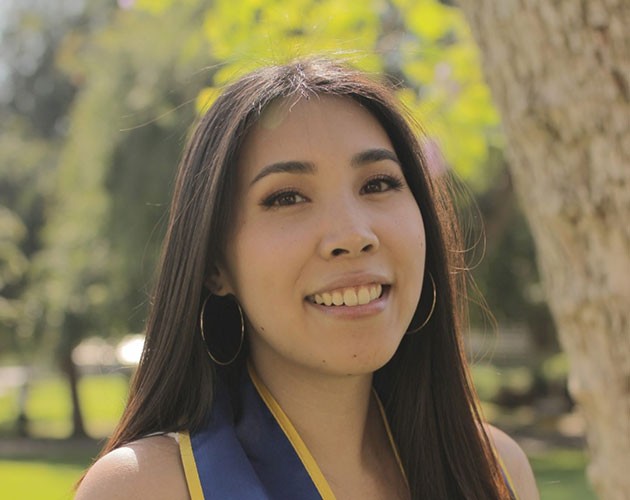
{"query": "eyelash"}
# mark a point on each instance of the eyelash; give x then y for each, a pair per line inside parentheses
(395, 183)
(274, 199)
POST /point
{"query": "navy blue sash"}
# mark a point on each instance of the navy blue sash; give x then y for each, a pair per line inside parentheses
(251, 458)
(258, 456)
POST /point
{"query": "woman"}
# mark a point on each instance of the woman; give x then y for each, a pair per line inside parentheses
(304, 339)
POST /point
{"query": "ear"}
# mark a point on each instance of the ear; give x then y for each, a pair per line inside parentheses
(217, 282)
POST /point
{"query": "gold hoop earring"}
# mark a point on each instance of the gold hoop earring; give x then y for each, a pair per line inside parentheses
(416, 330)
(203, 334)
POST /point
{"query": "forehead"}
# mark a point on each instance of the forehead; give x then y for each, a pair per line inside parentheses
(310, 129)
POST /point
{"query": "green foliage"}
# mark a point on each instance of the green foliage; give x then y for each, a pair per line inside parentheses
(556, 367)
(506, 271)
(13, 267)
(426, 44)
(139, 86)
(32, 117)
(114, 178)
(440, 63)
(248, 34)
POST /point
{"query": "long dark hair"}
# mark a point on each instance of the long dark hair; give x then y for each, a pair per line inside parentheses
(428, 396)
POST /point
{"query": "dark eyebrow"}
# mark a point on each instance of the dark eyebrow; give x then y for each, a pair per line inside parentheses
(305, 167)
(290, 167)
(374, 155)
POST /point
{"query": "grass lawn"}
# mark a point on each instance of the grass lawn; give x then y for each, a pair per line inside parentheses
(48, 405)
(50, 474)
(560, 475)
(37, 480)
(41, 471)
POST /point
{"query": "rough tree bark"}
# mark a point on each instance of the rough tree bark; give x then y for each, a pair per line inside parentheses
(560, 75)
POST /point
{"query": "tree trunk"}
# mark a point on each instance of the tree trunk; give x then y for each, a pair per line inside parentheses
(21, 422)
(560, 75)
(72, 374)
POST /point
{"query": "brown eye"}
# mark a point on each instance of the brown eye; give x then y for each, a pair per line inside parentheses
(283, 199)
(381, 184)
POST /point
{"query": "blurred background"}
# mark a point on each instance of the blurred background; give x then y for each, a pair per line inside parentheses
(96, 101)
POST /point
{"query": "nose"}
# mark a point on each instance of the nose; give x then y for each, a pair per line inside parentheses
(349, 233)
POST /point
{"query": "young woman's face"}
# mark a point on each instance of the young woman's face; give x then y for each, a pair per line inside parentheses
(326, 255)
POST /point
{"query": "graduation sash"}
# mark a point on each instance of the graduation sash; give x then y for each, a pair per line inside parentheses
(259, 456)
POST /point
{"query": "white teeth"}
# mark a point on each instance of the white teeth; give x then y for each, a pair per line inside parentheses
(351, 296)
(364, 295)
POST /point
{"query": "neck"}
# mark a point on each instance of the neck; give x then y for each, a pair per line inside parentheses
(334, 415)
(340, 423)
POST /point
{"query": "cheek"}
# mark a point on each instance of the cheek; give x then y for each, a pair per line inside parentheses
(267, 257)
(266, 264)
(410, 248)
(409, 232)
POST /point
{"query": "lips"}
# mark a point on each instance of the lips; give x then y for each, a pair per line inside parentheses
(348, 296)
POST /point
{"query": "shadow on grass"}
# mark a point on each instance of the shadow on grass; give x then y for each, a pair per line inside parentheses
(72, 452)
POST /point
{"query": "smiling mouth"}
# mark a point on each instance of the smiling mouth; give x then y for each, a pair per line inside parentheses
(349, 296)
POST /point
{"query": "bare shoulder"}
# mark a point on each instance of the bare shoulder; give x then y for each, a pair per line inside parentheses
(147, 468)
(515, 462)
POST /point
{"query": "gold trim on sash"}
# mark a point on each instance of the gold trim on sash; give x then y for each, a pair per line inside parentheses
(390, 437)
(190, 466)
(300, 447)
(294, 438)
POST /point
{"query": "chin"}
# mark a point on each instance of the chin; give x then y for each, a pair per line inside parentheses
(363, 363)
